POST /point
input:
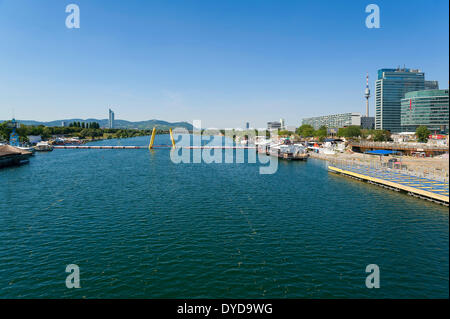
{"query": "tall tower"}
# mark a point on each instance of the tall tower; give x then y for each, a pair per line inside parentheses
(111, 119)
(367, 95)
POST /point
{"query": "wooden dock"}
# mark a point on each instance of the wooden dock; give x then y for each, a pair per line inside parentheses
(424, 188)
(10, 155)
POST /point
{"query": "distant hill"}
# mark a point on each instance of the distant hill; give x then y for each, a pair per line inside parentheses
(121, 124)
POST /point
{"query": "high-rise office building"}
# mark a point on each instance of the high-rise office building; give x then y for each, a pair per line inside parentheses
(276, 125)
(429, 108)
(368, 122)
(111, 119)
(273, 125)
(431, 85)
(390, 87)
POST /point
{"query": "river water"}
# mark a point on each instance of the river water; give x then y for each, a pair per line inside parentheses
(140, 226)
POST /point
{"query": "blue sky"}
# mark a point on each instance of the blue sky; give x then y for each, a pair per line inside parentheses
(222, 62)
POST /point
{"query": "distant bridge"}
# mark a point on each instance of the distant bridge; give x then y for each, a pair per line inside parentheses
(150, 146)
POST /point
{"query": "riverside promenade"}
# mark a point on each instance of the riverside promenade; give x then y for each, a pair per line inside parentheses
(405, 148)
(436, 168)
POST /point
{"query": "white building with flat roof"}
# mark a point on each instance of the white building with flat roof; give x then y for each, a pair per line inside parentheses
(334, 120)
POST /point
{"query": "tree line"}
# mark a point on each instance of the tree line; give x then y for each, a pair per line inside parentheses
(352, 131)
(82, 130)
(93, 125)
(92, 130)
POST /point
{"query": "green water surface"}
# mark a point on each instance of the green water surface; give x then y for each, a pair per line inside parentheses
(140, 226)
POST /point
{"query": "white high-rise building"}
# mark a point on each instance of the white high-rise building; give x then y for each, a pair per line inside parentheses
(111, 119)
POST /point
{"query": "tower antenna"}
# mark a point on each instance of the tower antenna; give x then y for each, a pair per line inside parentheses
(367, 94)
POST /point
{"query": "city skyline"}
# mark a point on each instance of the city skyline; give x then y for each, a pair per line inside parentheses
(289, 60)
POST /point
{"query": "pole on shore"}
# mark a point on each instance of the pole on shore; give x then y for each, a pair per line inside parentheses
(150, 146)
(171, 138)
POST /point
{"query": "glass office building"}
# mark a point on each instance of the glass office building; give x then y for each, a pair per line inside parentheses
(334, 121)
(273, 125)
(390, 87)
(431, 85)
(428, 107)
(367, 122)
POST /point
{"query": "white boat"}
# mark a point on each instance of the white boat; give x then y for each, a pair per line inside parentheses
(328, 148)
(263, 145)
(26, 148)
(43, 147)
(244, 142)
(284, 150)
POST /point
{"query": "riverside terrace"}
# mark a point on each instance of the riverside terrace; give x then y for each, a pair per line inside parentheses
(405, 148)
(425, 188)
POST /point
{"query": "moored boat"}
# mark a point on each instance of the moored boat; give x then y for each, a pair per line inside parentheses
(293, 152)
(43, 147)
(27, 148)
(284, 150)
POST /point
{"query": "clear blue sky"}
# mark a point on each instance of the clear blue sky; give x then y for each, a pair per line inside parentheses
(223, 62)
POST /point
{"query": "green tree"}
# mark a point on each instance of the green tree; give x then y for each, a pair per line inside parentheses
(305, 130)
(5, 131)
(350, 131)
(342, 132)
(381, 135)
(46, 132)
(285, 133)
(321, 133)
(422, 134)
(353, 131)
